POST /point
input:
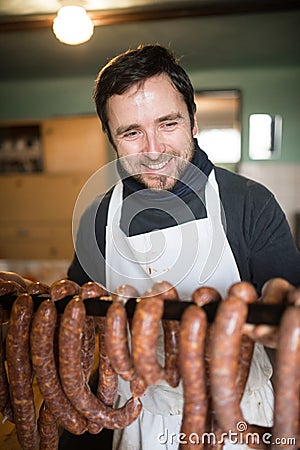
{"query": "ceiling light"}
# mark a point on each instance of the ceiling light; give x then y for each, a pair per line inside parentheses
(72, 25)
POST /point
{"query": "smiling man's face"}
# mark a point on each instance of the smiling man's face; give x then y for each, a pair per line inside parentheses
(150, 126)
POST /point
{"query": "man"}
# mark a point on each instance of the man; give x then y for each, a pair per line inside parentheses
(175, 216)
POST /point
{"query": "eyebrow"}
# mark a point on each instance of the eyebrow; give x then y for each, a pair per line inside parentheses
(124, 129)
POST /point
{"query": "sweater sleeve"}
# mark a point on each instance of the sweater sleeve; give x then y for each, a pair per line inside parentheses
(257, 231)
(272, 249)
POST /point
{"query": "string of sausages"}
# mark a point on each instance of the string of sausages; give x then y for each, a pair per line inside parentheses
(211, 358)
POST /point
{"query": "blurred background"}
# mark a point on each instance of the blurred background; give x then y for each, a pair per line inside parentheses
(243, 57)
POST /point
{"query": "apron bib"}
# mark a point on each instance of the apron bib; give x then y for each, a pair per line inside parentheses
(189, 255)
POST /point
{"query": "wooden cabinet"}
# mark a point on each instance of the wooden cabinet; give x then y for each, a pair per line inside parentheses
(73, 144)
(37, 208)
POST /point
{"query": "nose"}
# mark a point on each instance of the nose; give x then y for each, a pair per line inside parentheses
(153, 145)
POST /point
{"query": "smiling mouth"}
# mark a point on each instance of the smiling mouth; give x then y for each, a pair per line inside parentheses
(156, 165)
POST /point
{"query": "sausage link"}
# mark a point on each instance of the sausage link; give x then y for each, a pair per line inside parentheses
(205, 294)
(73, 381)
(108, 378)
(124, 416)
(38, 288)
(43, 360)
(48, 430)
(171, 334)
(287, 380)
(275, 291)
(145, 332)
(5, 404)
(243, 290)
(124, 292)
(225, 349)
(88, 346)
(246, 292)
(63, 288)
(137, 384)
(193, 328)
(91, 290)
(116, 333)
(10, 287)
(116, 341)
(20, 373)
(244, 363)
(12, 276)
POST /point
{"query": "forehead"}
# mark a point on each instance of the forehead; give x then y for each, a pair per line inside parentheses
(156, 96)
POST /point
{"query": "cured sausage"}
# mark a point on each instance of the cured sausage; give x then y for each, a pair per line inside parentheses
(92, 290)
(11, 287)
(171, 334)
(124, 416)
(116, 341)
(73, 382)
(116, 333)
(225, 349)
(145, 332)
(124, 292)
(243, 290)
(275, 291)
(193, 328)
(126, 367)
(63, 288)
(5, 404)
(108, 379)
(205, 294)
(38, 288)
(43, 360)
(12, 276)
(20, 374)
(287, 380)
(88, 346)
(226, 340)
(48, 430)
(246, 292)
(138, 386)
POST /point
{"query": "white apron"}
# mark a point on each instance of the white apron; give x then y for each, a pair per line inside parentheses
(189, 255)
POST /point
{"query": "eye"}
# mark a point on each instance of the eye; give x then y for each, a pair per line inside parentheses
(170, 125)
(132, 134)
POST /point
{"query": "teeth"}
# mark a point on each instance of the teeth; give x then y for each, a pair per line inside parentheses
(157, 166)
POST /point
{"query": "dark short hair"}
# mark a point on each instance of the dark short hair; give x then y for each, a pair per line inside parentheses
(134, 67)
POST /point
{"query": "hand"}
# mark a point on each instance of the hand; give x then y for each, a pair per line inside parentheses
(263, 334)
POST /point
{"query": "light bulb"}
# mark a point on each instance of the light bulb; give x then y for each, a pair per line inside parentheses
(72, 25)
